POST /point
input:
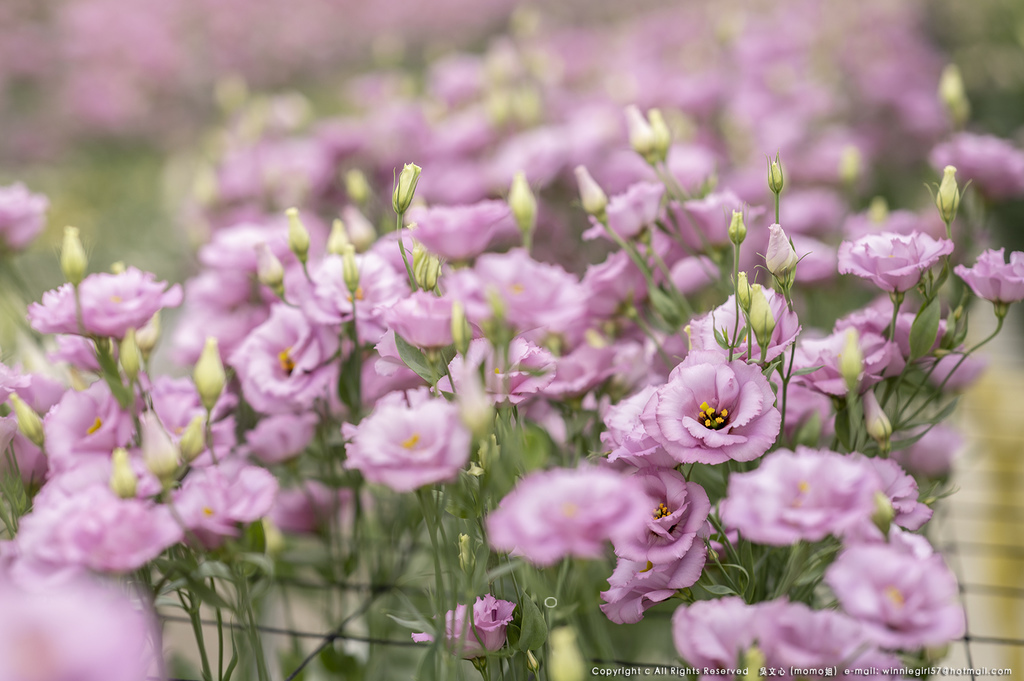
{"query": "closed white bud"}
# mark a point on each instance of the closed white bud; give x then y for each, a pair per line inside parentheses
(878, 210)
(158, 451)
(775, 178)
(780, 258)
(338, 238)
(356, 186)
(662, 134)
(566, 661)
(954, 95)
(29, 423)
(878, 424)
(467, 559)
(73, 261)
(209, 375)
(130, 356)
(269, 270)
(523, 204)
(851, 361)
(851, 163)
(753, 661)
(360, 230)
(884, 513)
(117, 267)
(405, 188)
(193, 439)
(947, 199)
(737, 229)
(592, 197)
(123, 481)
(641, 134)
(298, 235)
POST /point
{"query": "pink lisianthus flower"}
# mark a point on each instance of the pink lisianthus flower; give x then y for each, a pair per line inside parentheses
(635, 586)
(310, 507)
(804, 495)
(111, 304)
(286, 363)
(10, 381)
(85, 423)
(567, 512)
(893, 262)
(825, 353)
(676, 524)
(91, 529)
(712, 410)
(422, 319)
(176, 402)
(631, 212)
(610, 284)
(529, 369)
(904, 601)
(705, 222)
(22, 216)
(993, 164)
(723, 318)
(461, 232)
(79, 630)
(933, 454)
(993, 279)
(405, 446)
(626, 438)
(491, 617)
(278, 438)
(714, 634)
(215, 501)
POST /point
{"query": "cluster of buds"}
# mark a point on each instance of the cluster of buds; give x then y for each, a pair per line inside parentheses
(649, 137)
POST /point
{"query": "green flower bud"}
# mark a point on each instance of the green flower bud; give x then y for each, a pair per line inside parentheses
(662, 134)
(953, 95)
(130, 356)
(193, 439)
(947, 199)
(269, 270)
(298, 235)
(149, 335)
(523, 204)
(762, 320)
(350, 271)
(737, 230)
(884, 513)
(461, 333)
(208, 374)
(123, 481)
(467, 559)
(851, 361)
(338, 238)
(775, 178)
(426, 268)
(566, 661)
(743, 291)
(878, 210)
(356, 186)
(641, 134)
(73, 261)
(29, 423)
(850, 164)
(405, 188)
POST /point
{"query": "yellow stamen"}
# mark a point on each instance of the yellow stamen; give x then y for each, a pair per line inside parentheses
(804, 486)
(207, 511)
(725, 412)
(650, 566)
(115, 299)
(97, 424)
(517, 288)
(286, 361)
(412, 441)
(497, 371)
(569, 509)
(704, 406)
(707, 422)
(358, 296)
(661, 511)
(894, 595)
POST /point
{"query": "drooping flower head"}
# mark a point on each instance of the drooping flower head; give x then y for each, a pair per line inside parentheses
(712, 410)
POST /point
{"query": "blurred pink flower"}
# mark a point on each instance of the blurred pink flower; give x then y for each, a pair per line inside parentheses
(461, 232)
(491, 617)
(993, 279)
(22, 216)
(214, 502)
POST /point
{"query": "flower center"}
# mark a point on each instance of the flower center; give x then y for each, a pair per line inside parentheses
(894, 595)
(412, 441)
(712, 419)
(115, 299)
(650, 566)
(661, 512)
(569, 509)
(517, 288)
(359, 294)
(97, 424)
(207, 511)
(803, 486)
(284, 358)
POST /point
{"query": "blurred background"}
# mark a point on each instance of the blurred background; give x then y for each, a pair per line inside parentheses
(138, 118)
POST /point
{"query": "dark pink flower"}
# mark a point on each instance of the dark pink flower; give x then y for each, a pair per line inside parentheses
(712, 410)
(993, 279)
(893, 262)
(111, 304)
(491, 617)
(567, 512)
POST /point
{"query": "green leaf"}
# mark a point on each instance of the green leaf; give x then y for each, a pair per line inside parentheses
(925, 329)
(804, 372)
(207, 595)
(415, 360)
(843, 428)
(255, 537)
(534, 629)
(350, 381)
(664, 306)
(719, 590)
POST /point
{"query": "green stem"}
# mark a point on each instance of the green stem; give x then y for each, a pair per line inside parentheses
(400, 227)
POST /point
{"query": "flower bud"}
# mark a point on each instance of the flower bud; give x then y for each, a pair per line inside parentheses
(425, 268)
(523, 204)
(567, 663)
(123, 481)
(947, 199)
(877, 422)
(269, 270)
(753, 662)
(743, 291)
(298, 235)
(780, 258)
(884, 513)
(851, 361)
(193, 439)
(461, 333)
(130, 356)
(29, 423)
(476, 409)
(467, 559)
(878, 210)
(356, 186)
(762, 320)
(338, 238)
(405, 188)
(737, 230)
(662, 134)
(850, 164)
(73, 260)
(360, 230)
(117, 267)
(775, 178)
(149, 335)
(641, 134)
(158, 451)
(209, 375)
(953, 94)
(532, 663)
(591, 195)
(273, 538)
(350, 271)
